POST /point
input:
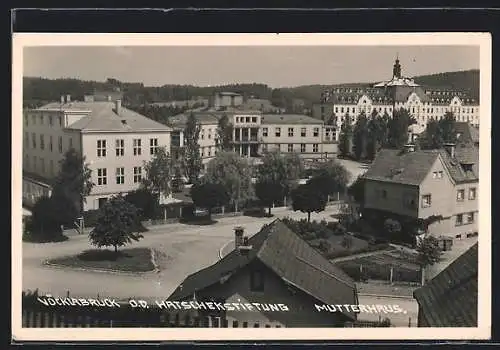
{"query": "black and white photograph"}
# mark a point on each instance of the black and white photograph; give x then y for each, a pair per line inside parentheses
(259, 183)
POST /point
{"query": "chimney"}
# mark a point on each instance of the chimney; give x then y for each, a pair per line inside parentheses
(409, 148)
(238, 236)
(68, 98)
(62, 99)
(244, 248)
(118, 106)
(450, 148)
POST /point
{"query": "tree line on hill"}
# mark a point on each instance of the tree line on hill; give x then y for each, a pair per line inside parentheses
(368, 135)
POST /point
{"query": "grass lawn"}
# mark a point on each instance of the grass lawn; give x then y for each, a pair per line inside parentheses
(127, 260)
(378, 266)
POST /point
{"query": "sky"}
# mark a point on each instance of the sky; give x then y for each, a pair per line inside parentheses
(283, 66)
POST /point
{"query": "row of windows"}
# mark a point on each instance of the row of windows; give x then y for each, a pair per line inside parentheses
(102, 175)
(208, 152)
(38, 164)
(120, 147)
(291, 147)
(291, 131)
(461, 194)
(246, 119)
(41, 120)
(34, 144)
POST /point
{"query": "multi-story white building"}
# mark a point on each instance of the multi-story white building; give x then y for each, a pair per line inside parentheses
(255, 133)
(115, 141)
(422, 103)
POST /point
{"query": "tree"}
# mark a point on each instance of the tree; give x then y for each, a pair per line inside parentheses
(357, 190)
(294, 166)
(439, 132)
(74, 180)
(360, 137)
(397, 135)
(158, 174)
(324, 246)
(377, 134)
(345, 137)
(192, 164)
(308, 198)
(233, 173)
(50, 213)
(331, 177)
(429, 253)
(209, 195)
(145, 201)
(117, 224)
(224, 133)
(269, 192)
(347, 241)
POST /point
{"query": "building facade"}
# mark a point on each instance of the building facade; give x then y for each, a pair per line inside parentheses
(115, 141)
(400, 92)
(422, 184)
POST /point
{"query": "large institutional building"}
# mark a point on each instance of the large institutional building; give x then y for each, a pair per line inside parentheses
(255, 133)
(114, 140)
(422, 103)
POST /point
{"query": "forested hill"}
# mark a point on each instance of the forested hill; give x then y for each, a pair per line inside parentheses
(37, 91)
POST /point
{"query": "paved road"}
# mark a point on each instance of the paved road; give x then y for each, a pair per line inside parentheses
(186, 249)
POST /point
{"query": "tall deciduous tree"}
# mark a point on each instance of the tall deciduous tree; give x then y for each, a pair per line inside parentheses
(74, 179)
(158, 173)
(429, 253)
(439, 132)
(117, 224)
(145, 201)
(331, 177)
(308, 198)
(377, 134)
(49, 213)
(345, 137)
(224, 133)
(360, 137)
(192, 164)
(398, 125)
(233, 173)
(209, 195)
(269, 192)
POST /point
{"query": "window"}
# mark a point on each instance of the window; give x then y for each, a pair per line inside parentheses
(42, 142)
(469, 218)
(137, 174)
(137, 147)
(120, 147)
(303, 132)
(264, 147)
(51, 120)
(34, 163)
(315, 148)
(254, 119)
(60, 121)
(472, 193)
(60, 144)
(409, 201)
(42, 165)
(51, 167)
(202, 135)
(277, 132)
(101, 148)
(102, 176)
(264, 132)
(256, 281)
(202, 150)
(437, 175)
(26, 139)
(51, 146)
(26, 119)
(459, 220)
(302, 147)
(27, 161)
(209, 151)
(33, 119)
(336, 109)
(316, 132)
(426, 200)
(460, 195)
(33, 140)
(41, 119)
(120, 176)
(290, 132)
(290, 147)
(153, 146)
(101, 202)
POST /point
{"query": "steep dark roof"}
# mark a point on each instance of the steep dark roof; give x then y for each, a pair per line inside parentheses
(396, 166)
(287, 255)
(411, 168)
(450, 298)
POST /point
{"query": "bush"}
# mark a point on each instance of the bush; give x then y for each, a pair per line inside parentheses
(368, 249)
(90, 217)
